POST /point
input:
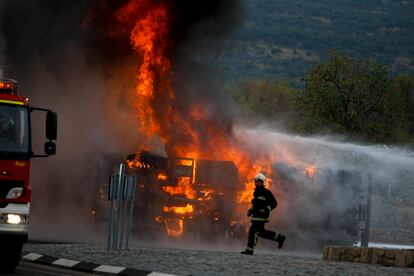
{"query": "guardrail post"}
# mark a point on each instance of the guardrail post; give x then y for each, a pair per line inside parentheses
(121, 194)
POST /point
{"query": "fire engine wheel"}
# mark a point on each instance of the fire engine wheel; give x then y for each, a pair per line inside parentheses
(10, 254)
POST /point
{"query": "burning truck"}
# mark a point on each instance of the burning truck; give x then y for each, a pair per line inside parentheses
(196, 199)
(184, 197)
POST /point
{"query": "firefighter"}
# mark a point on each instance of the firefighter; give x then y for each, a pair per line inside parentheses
(262, 203)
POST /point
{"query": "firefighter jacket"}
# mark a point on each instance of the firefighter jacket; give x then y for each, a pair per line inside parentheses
(263, 199)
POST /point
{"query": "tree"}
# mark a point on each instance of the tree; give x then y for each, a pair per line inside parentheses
(267, 99)
(354, 98)
(404, 86)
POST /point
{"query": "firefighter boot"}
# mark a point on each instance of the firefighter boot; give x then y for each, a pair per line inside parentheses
(280, 239)
(247, 252)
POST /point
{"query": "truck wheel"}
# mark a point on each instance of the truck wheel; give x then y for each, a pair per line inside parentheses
(10, 255)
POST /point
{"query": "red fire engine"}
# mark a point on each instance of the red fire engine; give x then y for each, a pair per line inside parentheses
(15, 154)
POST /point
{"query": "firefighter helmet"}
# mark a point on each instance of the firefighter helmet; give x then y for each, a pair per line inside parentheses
(260, 177)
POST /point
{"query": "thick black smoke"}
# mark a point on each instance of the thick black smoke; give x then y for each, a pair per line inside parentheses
(200, 27)
(72, 57)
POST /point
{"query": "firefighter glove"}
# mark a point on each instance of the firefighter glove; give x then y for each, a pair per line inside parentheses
(249, 212)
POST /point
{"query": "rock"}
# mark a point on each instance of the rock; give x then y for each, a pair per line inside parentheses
(366, 255)
(383, 256)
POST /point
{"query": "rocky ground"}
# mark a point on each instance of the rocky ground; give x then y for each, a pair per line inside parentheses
(210, 262)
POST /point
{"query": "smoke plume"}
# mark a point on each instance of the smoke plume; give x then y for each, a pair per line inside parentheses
(76, 59)
(49, 50)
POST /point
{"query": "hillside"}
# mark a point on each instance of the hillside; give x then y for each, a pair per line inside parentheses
(284, 38)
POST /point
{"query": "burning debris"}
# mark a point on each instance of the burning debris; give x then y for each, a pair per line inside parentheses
(182, 195)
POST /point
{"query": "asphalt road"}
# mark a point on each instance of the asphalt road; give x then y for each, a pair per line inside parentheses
(199, 261)
(26, 268)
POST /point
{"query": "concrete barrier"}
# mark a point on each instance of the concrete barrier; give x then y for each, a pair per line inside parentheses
(383, 256)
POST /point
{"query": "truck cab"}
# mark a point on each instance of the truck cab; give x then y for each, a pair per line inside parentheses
(15, 155)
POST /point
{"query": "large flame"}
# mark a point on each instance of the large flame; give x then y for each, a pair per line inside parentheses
(184, 187)
(150, 32)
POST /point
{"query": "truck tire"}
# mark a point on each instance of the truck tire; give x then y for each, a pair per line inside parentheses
(10, 254)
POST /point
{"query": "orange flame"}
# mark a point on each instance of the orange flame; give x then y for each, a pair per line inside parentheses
(162, 177)
(310, 171)
(175, 227)
(159, 219)
(179, 210)
(149, 22)
(184, 187)
(206, 194)
(137, 164)
(149, 38)
(150, 29)
(184, 162)
(233, 222)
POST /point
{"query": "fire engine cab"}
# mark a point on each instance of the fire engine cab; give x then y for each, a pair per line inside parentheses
(15, 154)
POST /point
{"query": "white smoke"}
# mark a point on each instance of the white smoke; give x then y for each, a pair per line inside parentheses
(306, 202)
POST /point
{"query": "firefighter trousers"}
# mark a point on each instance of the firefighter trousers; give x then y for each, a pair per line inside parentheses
(257, 229)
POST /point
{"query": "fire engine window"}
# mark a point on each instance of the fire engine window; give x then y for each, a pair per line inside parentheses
(13, 128)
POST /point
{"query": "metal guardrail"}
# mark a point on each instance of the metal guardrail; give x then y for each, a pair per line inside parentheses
(121, 194)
